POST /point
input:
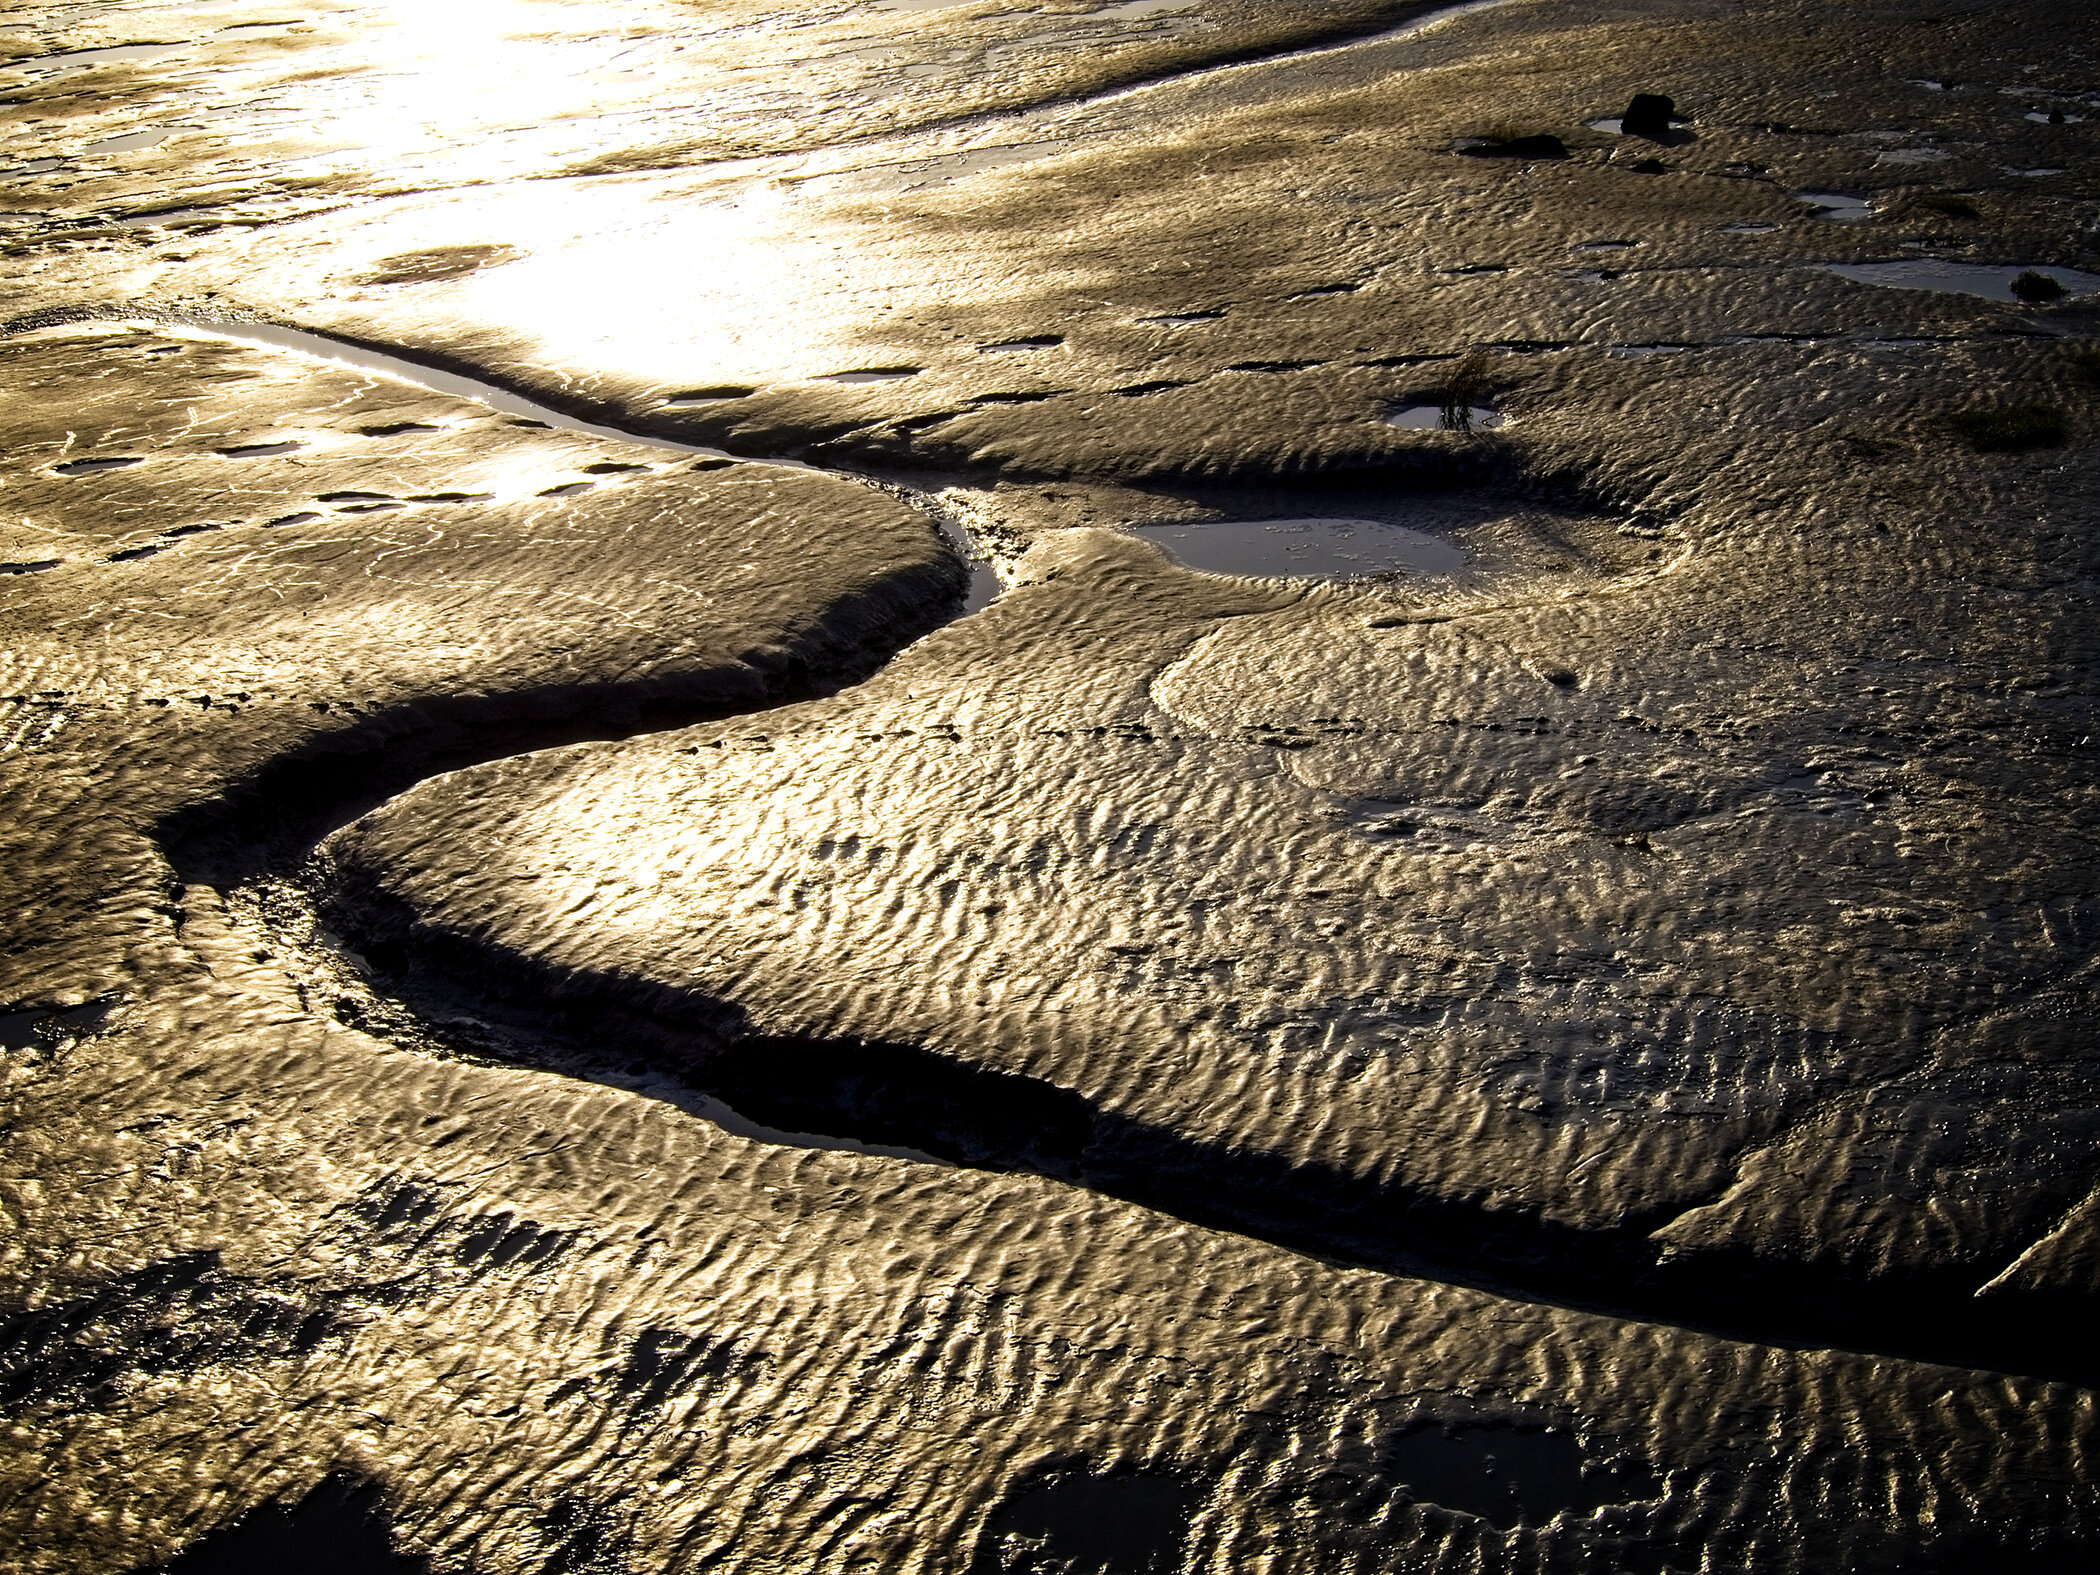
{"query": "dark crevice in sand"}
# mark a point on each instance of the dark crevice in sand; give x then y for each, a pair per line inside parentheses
(272, 817)
(455, 997)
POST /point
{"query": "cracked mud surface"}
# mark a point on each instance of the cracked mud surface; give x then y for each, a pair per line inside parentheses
(578, 1004)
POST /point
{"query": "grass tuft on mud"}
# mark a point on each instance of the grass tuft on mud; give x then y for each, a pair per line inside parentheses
(2035, 288)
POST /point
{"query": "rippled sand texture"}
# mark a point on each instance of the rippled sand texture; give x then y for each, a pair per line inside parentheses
(568, 1009)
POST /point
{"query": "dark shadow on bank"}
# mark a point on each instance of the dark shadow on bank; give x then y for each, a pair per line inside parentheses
(900, 1096)
(340, 1528)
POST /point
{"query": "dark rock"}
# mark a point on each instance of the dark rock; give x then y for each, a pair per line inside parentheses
(1651, 167)
(1649, 115)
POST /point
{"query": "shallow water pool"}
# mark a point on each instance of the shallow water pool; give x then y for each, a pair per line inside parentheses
(1992, 281)
(1311, 548)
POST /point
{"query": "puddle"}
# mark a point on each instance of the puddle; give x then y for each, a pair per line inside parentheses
(168, 216)
(1351, 526)
(40, 1027)
(341, 1525)
(708, 1108)
(76, 59)
(1615, 124)
(1014, 346)
(1603, 246)
(261, 450)
(2034, 174)
(2044, 118)
(1748, 229)
(955, 166)
(88, 467)
(1909, 156)
(1510, 1476)
(1315, 548)
(1183, 319)
(695, 397)
(870, 374)
(436, 379)
(129, 141)
(1430, 418)
(1090, 1525)
(1993, 283)
(1836, 207)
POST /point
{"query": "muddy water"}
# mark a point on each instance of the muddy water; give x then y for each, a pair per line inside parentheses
(1990, 280)
(1306, 548)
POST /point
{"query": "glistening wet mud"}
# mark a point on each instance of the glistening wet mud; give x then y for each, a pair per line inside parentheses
(274, 815)
(434, 374)
(1717, 852)
(900, 1098)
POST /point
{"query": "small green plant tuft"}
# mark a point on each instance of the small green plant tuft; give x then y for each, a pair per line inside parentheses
(1464, 389)
(2087, 359)
(1952, 204)
(2035, 288)
(2011, 429)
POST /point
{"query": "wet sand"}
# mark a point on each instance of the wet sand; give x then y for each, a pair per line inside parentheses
(998, 789)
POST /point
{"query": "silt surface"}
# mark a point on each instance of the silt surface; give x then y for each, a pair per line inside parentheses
(657, 918)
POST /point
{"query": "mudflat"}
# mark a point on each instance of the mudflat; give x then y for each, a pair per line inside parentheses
(1159, 787)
